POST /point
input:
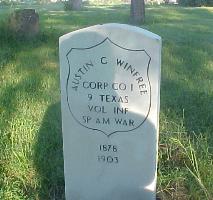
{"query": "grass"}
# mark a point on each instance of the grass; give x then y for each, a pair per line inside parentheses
(31, 159)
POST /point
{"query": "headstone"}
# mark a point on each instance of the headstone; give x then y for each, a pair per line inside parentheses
(24, 23)
(110, 82)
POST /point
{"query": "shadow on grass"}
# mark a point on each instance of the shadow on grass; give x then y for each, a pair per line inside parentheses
(48, 158)
(186, 72)
(13, 45)
(72, 20)
(187, 77)
(194, 107)
(25, 73)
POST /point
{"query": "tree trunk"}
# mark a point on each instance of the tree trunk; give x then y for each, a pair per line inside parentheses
(137, 12)
(76, 4)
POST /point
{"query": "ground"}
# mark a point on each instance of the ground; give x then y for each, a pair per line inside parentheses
(31, 159)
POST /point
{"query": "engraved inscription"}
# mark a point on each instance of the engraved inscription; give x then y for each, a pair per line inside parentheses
(108, 154)
(107, 91)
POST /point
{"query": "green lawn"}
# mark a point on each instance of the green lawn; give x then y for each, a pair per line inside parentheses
(31, 159)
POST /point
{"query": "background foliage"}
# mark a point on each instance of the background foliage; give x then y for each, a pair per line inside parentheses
(195, 3)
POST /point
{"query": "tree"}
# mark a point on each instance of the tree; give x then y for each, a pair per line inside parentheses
(76, 4)
(137, 11)
(73, 5)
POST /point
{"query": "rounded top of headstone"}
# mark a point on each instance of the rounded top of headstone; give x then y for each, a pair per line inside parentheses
(106, 28)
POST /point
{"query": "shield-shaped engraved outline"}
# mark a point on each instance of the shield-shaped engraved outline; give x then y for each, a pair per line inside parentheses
(68, 77)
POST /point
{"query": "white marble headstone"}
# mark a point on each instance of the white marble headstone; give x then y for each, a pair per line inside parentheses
(110, 83)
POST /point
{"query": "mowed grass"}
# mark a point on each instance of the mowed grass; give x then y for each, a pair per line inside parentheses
(31, 158)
